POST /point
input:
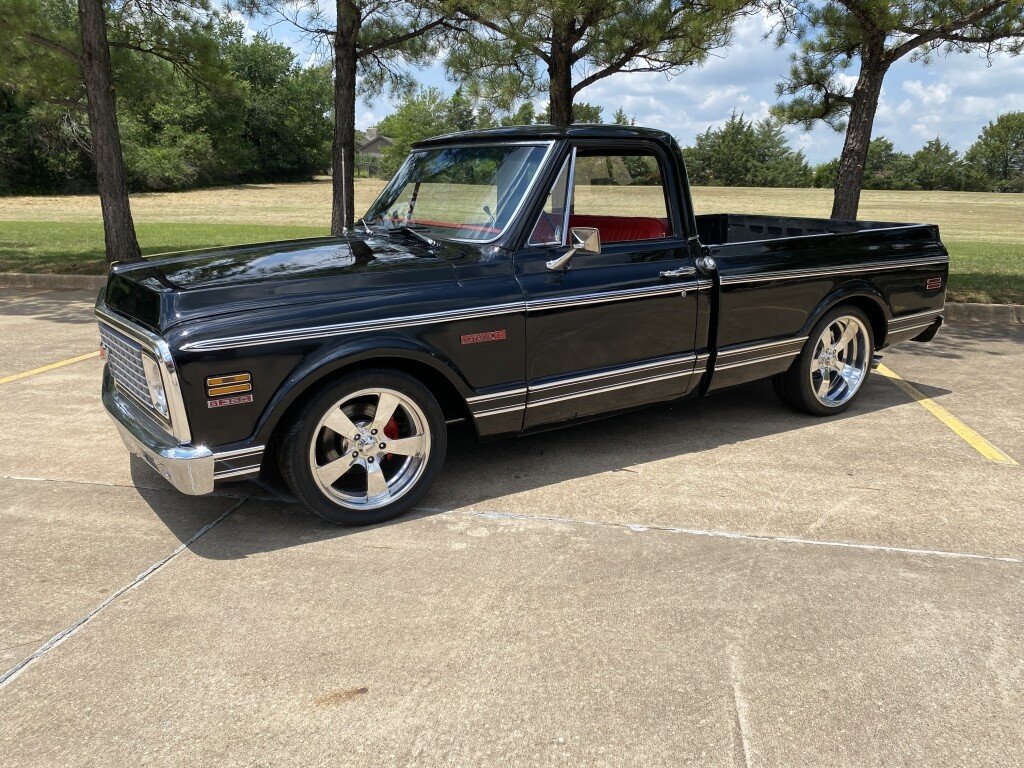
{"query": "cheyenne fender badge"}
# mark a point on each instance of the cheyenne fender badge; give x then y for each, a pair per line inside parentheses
(476, 338)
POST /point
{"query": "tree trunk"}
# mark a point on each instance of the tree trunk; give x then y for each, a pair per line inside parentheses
(858, 133)
(343, 152)
(560, 71)
(118, 227)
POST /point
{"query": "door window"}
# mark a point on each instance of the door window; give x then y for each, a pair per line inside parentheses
(622, 195)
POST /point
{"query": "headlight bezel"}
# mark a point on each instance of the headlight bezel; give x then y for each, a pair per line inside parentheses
(155, 382)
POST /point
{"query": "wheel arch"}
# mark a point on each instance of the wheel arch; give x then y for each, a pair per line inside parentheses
(863, 296)
(424, 364)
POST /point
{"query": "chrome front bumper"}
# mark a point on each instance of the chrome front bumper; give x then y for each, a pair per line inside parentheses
(188, 468)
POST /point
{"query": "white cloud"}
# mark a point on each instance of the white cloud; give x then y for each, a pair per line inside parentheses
(927, 94)
(955, 96)
(248, 33)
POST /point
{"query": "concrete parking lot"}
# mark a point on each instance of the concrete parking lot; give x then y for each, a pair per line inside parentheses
(721, 582)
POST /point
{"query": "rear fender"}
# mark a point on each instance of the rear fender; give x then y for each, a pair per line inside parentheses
(861, 294)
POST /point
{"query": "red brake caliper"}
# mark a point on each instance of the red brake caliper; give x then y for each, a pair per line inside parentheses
(391, 432)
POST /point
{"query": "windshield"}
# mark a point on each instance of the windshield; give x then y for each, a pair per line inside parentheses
(462, 193)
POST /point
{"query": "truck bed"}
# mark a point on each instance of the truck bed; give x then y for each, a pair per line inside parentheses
(728, 228)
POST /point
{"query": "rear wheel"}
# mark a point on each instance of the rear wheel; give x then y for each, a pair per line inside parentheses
(366, 448)
(833, 366)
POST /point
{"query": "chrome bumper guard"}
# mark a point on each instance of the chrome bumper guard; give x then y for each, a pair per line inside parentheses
(187, 468)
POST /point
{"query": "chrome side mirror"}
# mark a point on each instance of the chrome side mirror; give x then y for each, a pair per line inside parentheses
(586, 239)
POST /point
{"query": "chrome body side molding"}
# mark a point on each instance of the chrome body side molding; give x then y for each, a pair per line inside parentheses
(850, 269)
(469, 313)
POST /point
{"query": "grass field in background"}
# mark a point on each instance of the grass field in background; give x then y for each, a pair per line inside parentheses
(984, 232)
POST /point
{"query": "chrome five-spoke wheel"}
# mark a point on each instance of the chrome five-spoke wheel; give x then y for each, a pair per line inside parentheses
(364, 447)
(841, 360)
(830, 371)
(369, 448)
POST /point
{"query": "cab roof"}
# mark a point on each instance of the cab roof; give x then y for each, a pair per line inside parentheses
(547, 133)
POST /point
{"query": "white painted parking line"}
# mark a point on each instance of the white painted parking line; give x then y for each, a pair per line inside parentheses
(14, 672)
(732, 535)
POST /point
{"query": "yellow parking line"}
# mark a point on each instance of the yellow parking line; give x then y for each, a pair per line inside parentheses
(968, 435)
(50, 367)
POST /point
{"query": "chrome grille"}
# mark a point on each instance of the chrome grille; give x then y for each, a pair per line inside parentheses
(124, 356)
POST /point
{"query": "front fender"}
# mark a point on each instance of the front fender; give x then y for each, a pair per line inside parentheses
(321, 365)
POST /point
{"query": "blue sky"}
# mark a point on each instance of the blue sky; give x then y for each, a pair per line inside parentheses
(952, 97)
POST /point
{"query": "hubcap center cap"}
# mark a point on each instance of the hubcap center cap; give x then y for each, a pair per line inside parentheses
(366, 445)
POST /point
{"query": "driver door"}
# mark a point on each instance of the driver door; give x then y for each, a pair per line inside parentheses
(615, 329)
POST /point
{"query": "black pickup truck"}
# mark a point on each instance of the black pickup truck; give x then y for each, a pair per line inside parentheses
(518, 278)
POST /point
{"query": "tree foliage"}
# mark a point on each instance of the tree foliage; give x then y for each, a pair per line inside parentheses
(997, 157)
(874, 34)
(370, 42)
(263, 118)
(744, 153)
(515, 50)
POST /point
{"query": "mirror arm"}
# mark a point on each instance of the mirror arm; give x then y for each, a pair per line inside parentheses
(562, 260)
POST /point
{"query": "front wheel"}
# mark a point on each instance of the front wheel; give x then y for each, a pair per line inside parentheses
(365, 448)
(833, 366)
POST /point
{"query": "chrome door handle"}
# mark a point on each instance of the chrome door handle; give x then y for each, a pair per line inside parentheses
(681, 272)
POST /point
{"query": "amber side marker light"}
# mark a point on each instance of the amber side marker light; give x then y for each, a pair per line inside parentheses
(230, 384)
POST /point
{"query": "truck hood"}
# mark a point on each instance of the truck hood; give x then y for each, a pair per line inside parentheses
(163, 291)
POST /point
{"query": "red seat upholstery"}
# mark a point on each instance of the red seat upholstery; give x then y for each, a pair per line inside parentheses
(616, 229)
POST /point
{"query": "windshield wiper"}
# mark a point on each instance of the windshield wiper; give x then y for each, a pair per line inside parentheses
(415, 232)
(365, 225)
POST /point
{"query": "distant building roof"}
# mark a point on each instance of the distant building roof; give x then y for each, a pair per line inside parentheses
(375, 145)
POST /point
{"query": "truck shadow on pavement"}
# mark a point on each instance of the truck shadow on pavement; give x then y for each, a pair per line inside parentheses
(475, 473)
(55, 306)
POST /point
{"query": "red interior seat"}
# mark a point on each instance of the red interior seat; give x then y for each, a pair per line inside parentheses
(616, 229)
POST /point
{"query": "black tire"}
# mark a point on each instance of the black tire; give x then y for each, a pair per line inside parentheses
(794, 387)
(296, 452)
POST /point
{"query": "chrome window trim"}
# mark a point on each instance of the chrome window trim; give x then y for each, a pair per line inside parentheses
(878, 266)
(179, 427)
(550, 143)
(565, 214)
(570, 198)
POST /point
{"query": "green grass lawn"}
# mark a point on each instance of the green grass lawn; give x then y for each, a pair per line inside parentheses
(990, 273)
(76, 248)
(984, 232)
